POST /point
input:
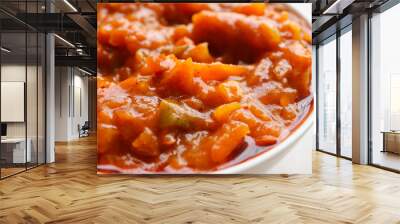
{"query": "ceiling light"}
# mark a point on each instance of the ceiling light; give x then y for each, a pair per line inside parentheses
(5, 50)
(65, 41)
(79, 51)
(84, 71)
(70, 5)
(338, 6)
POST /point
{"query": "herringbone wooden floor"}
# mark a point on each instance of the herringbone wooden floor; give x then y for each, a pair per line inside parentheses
(69, 191)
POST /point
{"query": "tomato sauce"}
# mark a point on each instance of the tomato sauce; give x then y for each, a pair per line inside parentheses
(196, 87)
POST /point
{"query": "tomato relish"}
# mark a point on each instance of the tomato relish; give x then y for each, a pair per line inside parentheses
(196, 87)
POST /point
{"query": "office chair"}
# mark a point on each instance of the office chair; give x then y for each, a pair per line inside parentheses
(84, 130)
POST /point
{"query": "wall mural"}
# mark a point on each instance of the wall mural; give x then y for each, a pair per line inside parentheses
(204, 88)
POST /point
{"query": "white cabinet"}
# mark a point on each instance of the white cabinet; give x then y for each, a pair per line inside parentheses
(15, 148)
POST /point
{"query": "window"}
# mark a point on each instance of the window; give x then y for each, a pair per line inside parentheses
(346, 93)
(327, 96)
(394, 102)
(385, 89)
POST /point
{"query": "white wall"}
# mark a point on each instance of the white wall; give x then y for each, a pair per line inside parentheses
(71, 94)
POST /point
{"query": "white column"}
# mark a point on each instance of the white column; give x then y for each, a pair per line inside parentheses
(63, 76)
(360, 90)
(314, 90)
(50, 99)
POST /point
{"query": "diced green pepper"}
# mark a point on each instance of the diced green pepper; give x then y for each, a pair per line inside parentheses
(173, 115)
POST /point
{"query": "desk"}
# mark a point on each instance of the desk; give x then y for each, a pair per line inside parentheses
(391, 141)
(13, 150)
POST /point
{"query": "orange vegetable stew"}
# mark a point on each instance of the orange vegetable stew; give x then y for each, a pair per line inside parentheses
(195, 87)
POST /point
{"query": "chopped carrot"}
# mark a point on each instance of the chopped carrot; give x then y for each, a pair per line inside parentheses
(107, 138)
(221, 113)
(266, 140)
(230, 91)
(200, 53)
(218, 71)
(227, 139)
(293, 28)
(256, 9)
(146, 144)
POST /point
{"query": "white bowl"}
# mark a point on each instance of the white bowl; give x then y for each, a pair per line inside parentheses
(300, 139)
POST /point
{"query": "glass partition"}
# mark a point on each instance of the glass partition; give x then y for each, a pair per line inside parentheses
(22, 101)
(35, 88)
(13, 95)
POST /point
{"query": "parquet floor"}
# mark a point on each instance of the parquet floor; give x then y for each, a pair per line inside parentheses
(10, 171)
(69, 191)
